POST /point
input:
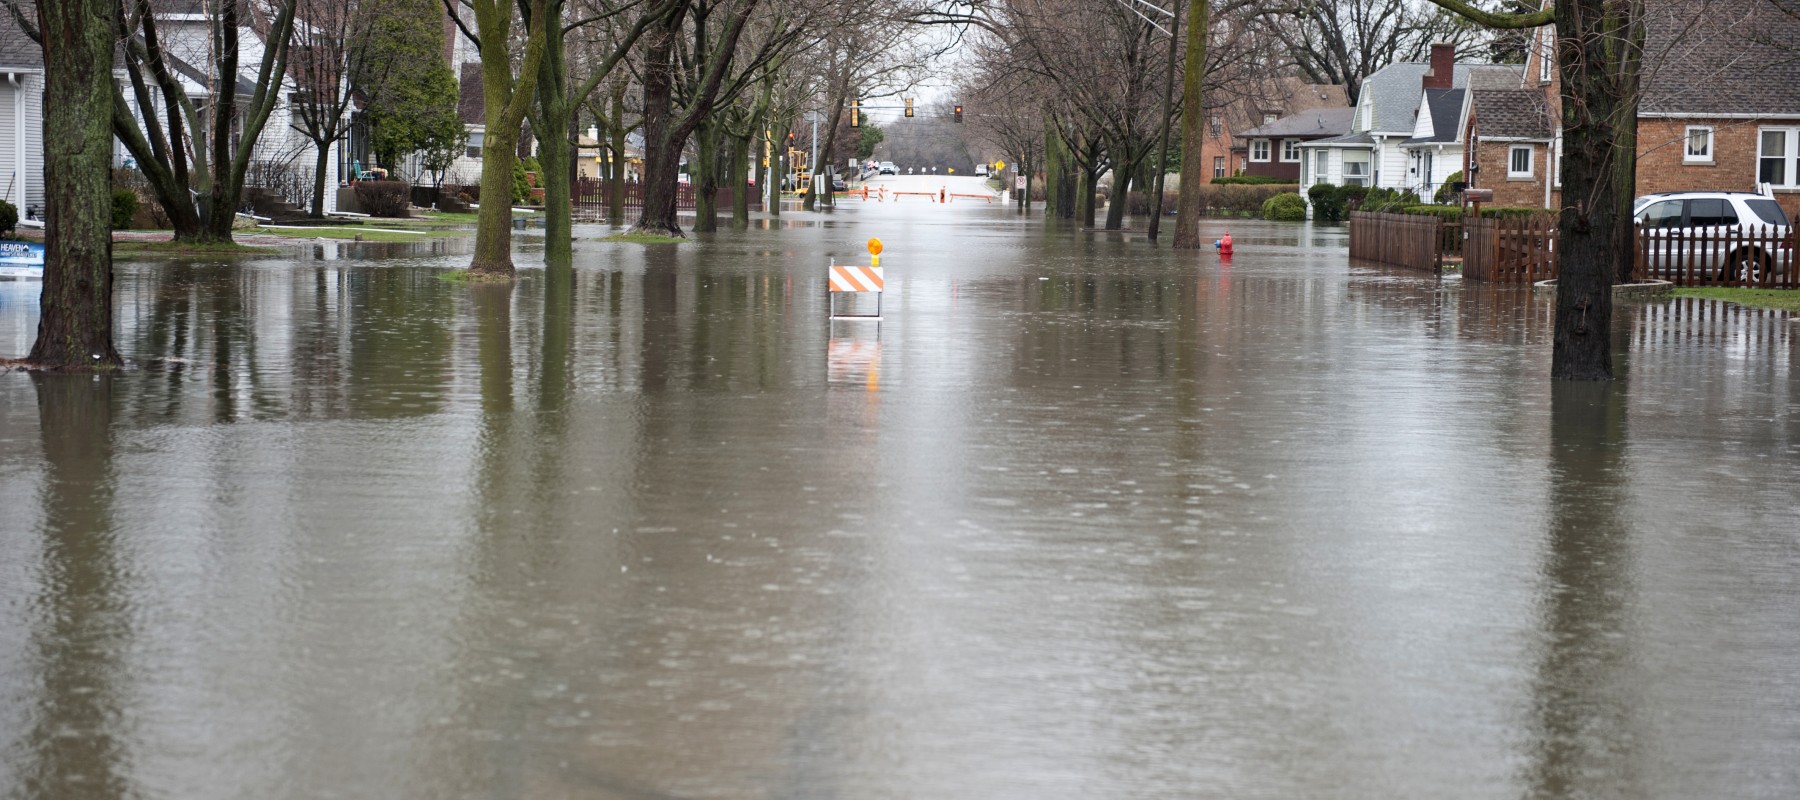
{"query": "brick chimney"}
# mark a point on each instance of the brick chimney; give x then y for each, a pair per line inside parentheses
(1443, 66)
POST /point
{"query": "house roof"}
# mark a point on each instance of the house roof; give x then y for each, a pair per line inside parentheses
(1720, 57)
(1445, 106)
(1393, 90)
(1510, 114)
(1314, 123)
(17, 51)
(1359, 139)
(1242, 106)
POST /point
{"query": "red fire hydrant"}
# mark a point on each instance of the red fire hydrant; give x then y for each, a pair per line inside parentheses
(1225, 244)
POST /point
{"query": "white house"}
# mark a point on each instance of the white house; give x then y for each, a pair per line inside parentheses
(1403, 135)
(21, 120)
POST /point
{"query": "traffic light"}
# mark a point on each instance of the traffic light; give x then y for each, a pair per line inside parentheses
(958, 113)
(855, 121)
(909, 106)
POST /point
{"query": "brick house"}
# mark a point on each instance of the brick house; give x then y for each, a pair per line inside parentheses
(1230, 111)
(1403, 134)
(1274, 149)
(1720, 109)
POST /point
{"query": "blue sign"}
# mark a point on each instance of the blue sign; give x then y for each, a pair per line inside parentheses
(21, 259)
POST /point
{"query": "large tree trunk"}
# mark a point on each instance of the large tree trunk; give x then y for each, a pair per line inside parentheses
(75, 308)
(615, 201)
(493, 223)
(1124, 175)
(662, 155)
(1599, 46)
(740, 181)
(555, 125)
(1193, 120)
(1060, 177)
(706, 176)
(320, 162)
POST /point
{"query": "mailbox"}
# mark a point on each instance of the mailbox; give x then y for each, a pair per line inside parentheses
(1478, 195)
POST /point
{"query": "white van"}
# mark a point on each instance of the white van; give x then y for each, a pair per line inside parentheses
(980, 170)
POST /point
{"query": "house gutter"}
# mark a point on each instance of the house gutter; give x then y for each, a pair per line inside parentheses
(1710, 115)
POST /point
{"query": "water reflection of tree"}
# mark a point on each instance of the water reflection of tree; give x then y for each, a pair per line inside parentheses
(1584, 730)
(83, 616)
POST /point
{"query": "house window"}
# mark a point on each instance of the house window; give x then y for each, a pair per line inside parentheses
(1776, 153)
(1216, 125)
(475, 144)
(1518, 161)
(1699, 145)
(1270, 116)
(1290, 150)
(1321, 165)
(1218, 166)
(1356, 168)
(1259, 149)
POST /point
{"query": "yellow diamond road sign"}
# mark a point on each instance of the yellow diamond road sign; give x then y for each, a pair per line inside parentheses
(999, 165)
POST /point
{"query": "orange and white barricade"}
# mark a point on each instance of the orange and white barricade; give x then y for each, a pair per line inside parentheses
(857, 279)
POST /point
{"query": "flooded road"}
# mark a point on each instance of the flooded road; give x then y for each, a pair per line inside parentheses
(1078, 518)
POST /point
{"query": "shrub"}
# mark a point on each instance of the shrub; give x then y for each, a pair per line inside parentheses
(9, 218)
(1285, 207)
(1389, 200)
(522, 183)
(1327, 202)
(1487, 212)
(124, 208)
(1444, 192)
(1250, 180)
(384, 198)
(1353, 197)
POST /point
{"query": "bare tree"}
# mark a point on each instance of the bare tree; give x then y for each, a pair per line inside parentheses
(195, 154)
(506, 96)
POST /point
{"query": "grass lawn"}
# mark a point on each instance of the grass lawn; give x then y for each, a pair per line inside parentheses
(352, 232)
(643, 238)
(178, 249)
(1781, 299)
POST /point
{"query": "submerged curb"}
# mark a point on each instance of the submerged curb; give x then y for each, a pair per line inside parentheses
(1642, 290)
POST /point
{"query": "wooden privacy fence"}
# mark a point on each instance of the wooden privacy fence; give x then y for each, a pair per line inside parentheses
(1522, 250)
(1412, 241)
(1510, 250)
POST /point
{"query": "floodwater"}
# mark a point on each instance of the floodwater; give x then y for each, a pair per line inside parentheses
(1077, 518)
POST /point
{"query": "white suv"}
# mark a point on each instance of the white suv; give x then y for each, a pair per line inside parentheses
(1727, 236)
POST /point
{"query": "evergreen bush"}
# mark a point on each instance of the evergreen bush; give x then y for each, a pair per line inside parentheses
(124, 208)
(1327, 202)
(1285, 207)
(9, 218)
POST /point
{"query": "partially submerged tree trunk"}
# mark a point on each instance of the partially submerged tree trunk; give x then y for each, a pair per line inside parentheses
(507, 99)
(706, 175)
(75, 322)
(1599, 54)
(1193, 133)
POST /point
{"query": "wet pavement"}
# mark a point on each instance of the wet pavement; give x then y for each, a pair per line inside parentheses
(1078, 518)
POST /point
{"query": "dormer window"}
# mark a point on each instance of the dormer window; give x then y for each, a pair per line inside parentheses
(1270, 116)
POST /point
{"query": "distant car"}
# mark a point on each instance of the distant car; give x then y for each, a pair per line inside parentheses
(838, 185)
(888, 168)
(1728, 235)
(980, 170)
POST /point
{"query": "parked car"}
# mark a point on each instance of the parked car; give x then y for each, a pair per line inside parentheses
(1723, 235)
(888, 168)
(981, 170)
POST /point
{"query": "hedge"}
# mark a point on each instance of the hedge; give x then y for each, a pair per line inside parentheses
(384, 198)
(1487, 212)
(1252, 180)
(9, 218)
(1327, 202)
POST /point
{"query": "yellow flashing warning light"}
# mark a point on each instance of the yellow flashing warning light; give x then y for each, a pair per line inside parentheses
(909, 106)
